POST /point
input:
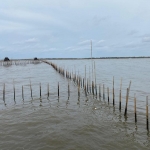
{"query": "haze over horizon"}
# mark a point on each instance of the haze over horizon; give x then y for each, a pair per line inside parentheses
(64, 28)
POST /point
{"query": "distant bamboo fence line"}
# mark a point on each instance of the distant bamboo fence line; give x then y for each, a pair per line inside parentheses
(97, 90)
(19, 62)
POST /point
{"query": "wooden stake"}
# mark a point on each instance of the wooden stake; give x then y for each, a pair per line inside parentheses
(40, 90)
(103, 91)
(93, 87)
(96, 90)
(125, 112)
(48, 90)
(108, 93)
(68, 90)
(99, 91)
(31, 88)
(135, 108)
(113, 93)
(22, 93)
(4, 92)
(14, 89)
(85, 77)
(120, 95)
(78, 91)
(147, 121)
(58, 89)
(85, 90)
(87, 86)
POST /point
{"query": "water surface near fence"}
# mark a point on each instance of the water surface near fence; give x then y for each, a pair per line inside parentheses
(75, 122)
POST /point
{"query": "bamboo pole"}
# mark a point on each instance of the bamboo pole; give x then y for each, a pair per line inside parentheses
(31, 88)
(95, 79)
(78, 91)
(85, 90)
(4, 92)
(58, 89)
(147, 121)
(87, 86)
(99, 91)
(93, 87)
(108, 93)
(85, 77)
(125, 112)
(113, 93)
(103, 91)
(120, 95)
(48, 90)
(40, 90)
(14, 89)
(83, 82)
(68, 90)
(135, 109)
(96, 90)
(22, 93)
(89, 80)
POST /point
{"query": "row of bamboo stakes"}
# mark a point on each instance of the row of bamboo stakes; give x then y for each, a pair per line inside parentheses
(19, 62)
(85, 85)
(89, 88)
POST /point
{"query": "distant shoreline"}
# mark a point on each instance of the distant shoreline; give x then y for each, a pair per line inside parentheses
(95, 58)
(83, 58)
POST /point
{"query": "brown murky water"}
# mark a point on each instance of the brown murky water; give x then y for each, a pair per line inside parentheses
(73, 123)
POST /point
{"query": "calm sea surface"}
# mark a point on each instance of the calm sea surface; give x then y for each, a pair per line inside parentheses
(74, 123)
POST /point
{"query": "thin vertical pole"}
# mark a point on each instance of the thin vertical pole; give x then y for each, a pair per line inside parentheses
(125, 112)
(135, 108)
(40, 89)
(108, 93)
(87, 86)
(147, 122)
(85, 90)
(22, 93)
(96, 90)
(14, 89)
(48, 89)
(89, 80)
(99, 91)
(103, 91)
(113, 93)
(85, 77)
(31, 88)
(95, 73)
(120, 95)
(4, 92)
(68, 90)
(93, 87)
(78, 91)
(58, 89)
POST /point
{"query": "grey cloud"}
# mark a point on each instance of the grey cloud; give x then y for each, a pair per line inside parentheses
(133, 32)
(130, 45)
(97, 20)
(146, 39)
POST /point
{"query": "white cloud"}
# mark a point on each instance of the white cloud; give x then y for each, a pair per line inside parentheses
(83, 43)
(7, 25)
(28, 41)
(100, 43)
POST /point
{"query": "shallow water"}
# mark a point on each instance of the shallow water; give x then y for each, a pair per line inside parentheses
(73, 123)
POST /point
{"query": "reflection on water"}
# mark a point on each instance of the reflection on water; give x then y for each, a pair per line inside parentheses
(73, 122)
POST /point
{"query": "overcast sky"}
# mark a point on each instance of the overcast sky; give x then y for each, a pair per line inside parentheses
(64, 28)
